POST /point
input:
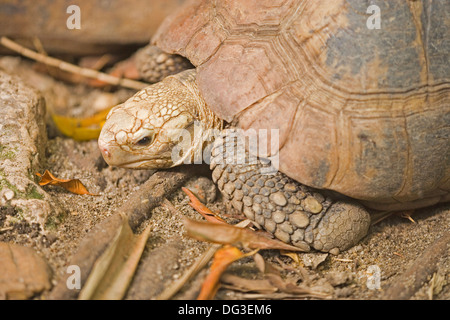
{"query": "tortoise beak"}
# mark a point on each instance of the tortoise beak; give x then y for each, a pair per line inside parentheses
(115, 156)
(104, 149)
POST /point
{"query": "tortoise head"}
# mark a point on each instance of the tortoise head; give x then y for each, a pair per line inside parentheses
(147, 131)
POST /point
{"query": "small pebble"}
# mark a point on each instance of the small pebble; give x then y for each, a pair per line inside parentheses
(8, 194)
(313, 260)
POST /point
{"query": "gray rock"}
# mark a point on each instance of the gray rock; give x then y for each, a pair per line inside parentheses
(23, 139)
(313, 259)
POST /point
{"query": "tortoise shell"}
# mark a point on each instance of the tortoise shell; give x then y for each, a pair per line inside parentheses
(362, 105)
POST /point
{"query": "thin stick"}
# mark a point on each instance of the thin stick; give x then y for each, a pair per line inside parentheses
(6, 229)
(89, 73)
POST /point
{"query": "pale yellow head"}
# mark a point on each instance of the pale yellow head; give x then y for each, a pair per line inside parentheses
(143, 131)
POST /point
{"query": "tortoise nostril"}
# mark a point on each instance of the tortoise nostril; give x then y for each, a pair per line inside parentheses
(105, 152)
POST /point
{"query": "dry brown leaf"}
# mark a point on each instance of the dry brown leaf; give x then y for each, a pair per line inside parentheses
(201, 208)
(72, 185)
(114, 269)
(264, 266)
(222, 259)
(198, 265)
(437, 282)
(228, 234)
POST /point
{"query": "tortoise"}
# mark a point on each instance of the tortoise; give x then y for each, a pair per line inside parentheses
(360, 114)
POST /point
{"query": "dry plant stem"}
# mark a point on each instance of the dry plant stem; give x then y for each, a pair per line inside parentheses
(6, 229)
(85, 72)
(412, 279)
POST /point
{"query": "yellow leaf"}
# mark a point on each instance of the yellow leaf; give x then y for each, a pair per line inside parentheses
(294, 256)
(81, 129)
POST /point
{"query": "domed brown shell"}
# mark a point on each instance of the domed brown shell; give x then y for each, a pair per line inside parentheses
(362, 111)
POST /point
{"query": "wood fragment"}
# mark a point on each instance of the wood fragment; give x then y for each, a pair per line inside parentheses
(343, 260)
(413, 278)
(398, 254)
(6, 229)
(152, 193)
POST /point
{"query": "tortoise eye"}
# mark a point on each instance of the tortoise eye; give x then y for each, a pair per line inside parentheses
(145, 141)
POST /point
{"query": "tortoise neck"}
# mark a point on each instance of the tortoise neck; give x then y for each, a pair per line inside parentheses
(204, 114)
(206, 124)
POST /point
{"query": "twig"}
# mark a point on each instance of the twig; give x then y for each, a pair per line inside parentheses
(6, 229)
(152, 193)
(89, 73)
(343, 260)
